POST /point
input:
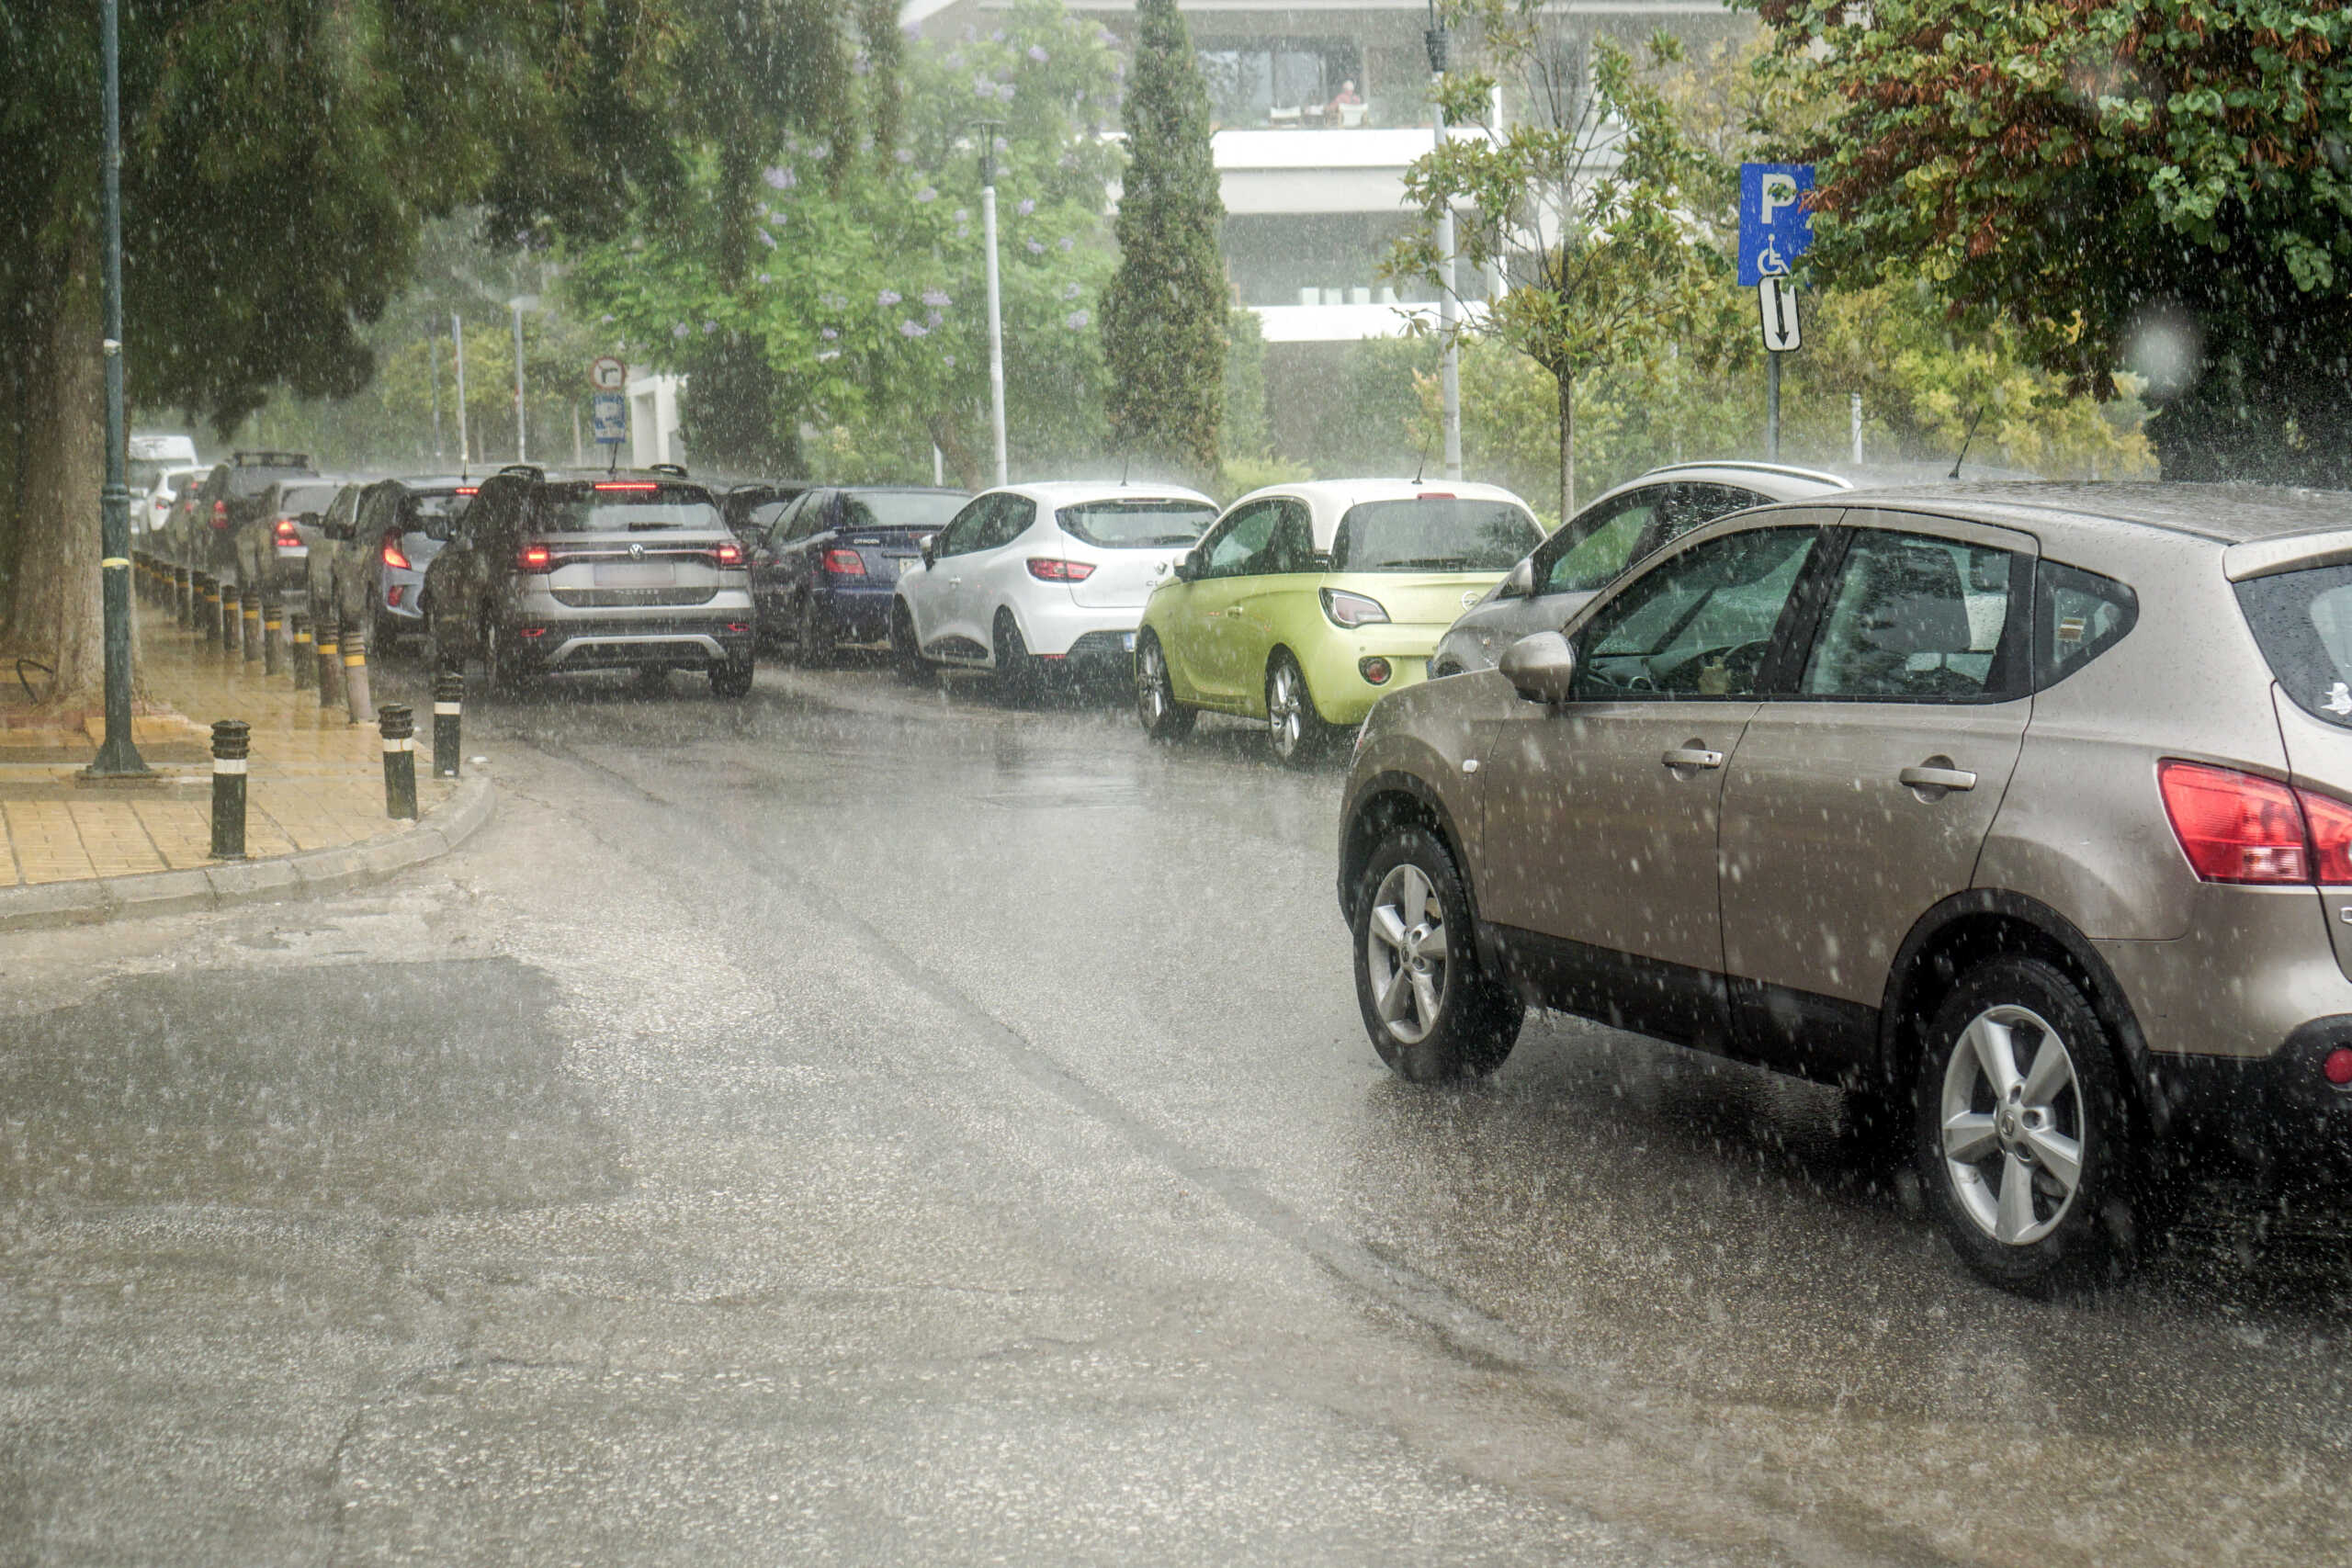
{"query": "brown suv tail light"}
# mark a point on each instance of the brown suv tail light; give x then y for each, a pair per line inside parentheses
(2243, 827)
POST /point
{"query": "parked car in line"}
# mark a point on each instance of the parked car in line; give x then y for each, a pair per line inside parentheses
(1599, 542)
(554, 570)
(750, 506)
(1305, 603)
(272, 547)
(173, 489)
(1033, 577)
(825, 570)
(230, 494)
(148, 458)
(2024, 812)
(375, 545)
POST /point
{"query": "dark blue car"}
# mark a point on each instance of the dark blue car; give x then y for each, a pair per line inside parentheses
(831, 556)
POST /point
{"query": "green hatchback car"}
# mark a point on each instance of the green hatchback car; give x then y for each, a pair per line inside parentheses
(1305, 603)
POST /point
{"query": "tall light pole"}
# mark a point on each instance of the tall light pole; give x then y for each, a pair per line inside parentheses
(458, 349)
(433, 374)
(520, 303)
(1448, 308)
(118, 758)
(996, 318)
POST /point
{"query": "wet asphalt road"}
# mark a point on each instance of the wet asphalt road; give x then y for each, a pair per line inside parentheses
(866, 1125)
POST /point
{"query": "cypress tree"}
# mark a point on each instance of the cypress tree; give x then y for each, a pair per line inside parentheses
(1164, 312)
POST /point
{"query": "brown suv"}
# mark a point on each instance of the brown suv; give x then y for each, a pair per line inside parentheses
(2023, 811)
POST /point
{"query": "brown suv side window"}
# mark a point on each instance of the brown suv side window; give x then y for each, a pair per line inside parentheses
(1916, 618)
(1700, 624)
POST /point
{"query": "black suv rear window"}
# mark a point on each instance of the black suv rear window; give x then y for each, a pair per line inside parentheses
(2303, 622)
(1137, 525)
(613, 506)
(1433, 534)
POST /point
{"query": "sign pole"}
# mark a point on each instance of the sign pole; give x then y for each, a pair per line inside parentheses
(996, 318)
(117, 757)
(458, 353)
(1772, 405)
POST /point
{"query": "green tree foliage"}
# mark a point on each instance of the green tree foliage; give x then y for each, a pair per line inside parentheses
(863, 316)
(1581, 202)
(1164, 314)
(2083, 168)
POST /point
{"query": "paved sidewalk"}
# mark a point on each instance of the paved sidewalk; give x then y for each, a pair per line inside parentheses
(315, 781)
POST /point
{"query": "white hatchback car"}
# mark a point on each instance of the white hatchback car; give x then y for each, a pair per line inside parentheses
(1033, 577)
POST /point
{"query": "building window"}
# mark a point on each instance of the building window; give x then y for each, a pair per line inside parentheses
(1284, 82)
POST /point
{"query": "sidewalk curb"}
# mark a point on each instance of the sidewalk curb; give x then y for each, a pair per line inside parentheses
(92, 901)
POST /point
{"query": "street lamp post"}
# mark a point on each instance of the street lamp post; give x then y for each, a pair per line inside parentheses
(996, 320)
(433, 374)
(1448, 307)
(457, 352)
(520, 303)
(118, 756)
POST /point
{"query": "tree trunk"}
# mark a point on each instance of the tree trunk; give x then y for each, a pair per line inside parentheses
(54, 614)
(948, 437)
(1568, 384)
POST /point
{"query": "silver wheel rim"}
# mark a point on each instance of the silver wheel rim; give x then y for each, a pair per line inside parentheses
(2011, 1128)
(1152, 694)
(1405, 954)
(1285, 705)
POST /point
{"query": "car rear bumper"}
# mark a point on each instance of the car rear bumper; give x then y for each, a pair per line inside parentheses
(858, 610)
(1334, 666)
(2278, 1113)
(1065, 630)
(628, 645)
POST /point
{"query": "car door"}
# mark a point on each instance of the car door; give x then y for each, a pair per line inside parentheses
(1201, 638)
(1860, 798)
(1264, 602)
(1599, 834)
(929, 594)
(780, 572)
(995, 570)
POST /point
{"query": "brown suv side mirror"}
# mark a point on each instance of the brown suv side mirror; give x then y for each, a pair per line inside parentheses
(1542, 668)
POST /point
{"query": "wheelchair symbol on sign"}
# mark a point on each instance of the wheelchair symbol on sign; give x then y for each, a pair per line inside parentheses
(1769, 261)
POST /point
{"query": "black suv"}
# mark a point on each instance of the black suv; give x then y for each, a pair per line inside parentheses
(230, 497)
(552, 570)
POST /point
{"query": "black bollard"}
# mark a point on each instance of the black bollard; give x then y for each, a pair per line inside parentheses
(306, 673)
(356, 691)
(183, 594)
(232, 739)
(249, 638)
(448, 704)
(400, 760)
(232, 618)
(205, 609)
(273, 638)
(330, 645)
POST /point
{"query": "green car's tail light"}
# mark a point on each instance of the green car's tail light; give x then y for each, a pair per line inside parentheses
(1346, 609)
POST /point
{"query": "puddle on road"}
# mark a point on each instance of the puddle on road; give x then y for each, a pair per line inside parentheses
(405, 1089)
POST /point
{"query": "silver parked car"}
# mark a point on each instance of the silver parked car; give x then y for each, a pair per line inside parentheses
(1595, 546)
(2023, 811)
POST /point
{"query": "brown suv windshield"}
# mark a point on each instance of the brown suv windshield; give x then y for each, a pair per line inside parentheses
(613, 506)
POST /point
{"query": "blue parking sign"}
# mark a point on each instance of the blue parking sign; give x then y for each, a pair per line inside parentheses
(609, 418)
(1774, 226)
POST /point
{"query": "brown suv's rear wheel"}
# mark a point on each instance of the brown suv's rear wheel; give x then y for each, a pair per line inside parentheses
(1431, 1011)
(2023, 1137)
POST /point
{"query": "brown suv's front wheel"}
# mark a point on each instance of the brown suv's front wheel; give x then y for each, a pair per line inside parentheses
(2022, 1132)
(1431, 1011)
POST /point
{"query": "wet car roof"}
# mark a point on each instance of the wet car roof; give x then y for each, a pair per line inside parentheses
(2227, 513)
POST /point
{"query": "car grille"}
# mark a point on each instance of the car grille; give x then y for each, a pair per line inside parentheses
(630, 598)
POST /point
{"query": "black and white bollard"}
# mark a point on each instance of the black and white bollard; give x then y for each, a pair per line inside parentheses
(306, 671)
(232, 739)
(330, 663)
(448, 707)
(400, 761)
(355, 675)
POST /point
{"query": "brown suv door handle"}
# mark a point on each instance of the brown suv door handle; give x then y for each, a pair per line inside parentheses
(1936, 778)
(1692, 757)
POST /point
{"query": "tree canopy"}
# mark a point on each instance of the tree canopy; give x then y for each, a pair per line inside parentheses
(2102, 173)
